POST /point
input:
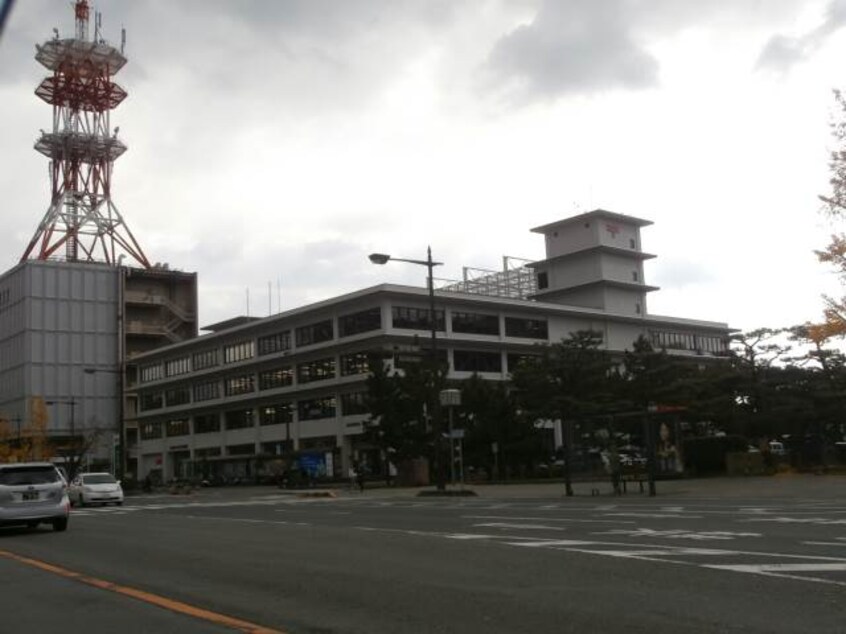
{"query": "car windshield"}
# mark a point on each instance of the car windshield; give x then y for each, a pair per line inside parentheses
(98, 478)
(13, 476)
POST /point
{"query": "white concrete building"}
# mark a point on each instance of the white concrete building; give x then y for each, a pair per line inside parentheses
(256, 388)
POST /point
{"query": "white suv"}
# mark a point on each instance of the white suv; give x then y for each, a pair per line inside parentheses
(32, 493)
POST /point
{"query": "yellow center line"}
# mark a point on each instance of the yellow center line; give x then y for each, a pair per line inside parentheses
(147, 597)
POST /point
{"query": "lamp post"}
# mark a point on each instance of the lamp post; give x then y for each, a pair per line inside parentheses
(118, 457)
(383, 258)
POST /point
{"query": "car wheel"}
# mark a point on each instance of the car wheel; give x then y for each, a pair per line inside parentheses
(60, 524)
(119, 503)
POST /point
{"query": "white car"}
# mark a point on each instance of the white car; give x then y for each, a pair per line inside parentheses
(95, 488)
(32, 493)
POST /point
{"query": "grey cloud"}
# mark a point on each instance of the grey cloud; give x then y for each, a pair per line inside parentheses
(782, 52)
(571, 47)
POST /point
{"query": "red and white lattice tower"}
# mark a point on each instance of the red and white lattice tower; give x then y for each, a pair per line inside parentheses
(82, 219)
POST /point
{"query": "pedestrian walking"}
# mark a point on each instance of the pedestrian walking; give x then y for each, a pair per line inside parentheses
(359, 478)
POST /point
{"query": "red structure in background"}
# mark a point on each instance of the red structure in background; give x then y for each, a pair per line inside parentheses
(82, 223)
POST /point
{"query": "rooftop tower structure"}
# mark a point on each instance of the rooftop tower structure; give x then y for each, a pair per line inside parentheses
(82, 148)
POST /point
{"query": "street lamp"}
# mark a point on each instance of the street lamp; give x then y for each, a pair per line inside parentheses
(384, 258)
(119, 459)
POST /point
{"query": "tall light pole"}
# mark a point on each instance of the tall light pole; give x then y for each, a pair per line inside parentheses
(119, 458)
(383, 258)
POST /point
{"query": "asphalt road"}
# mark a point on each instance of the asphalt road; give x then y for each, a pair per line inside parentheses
(762, 555)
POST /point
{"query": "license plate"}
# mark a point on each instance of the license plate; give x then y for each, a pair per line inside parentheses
(29, 495)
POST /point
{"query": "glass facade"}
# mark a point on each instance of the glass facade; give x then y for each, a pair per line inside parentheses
(277, 342)
(526, 328)
(318, 370)
(476, 361)
(409, 318)
(240, 351)
(275, 378)
(363, 321)
(315, 408)
(475, 323)
(315, 333)
(243, 384)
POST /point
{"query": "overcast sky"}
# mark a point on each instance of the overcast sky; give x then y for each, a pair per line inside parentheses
(279, 142)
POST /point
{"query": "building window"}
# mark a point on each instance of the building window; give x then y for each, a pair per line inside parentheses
(637, 308)
(179, 427)
(526, 328)
(177, 396)
(277, 342)
(516, 360)
(405, 360)
(354, 403)
(316, 370)
(316, 408)
(543, 280)
(205, 359)
(634, 276)
(355, 363)
(632, 243)
(152, 372)
(275, 447)
(206, 423)
(243, 384)
(206, 452)
(241, 450)
(238, 418)
(151, 431)
(475, 323)
(175, 367)
(315, 333)
(416, 318)
(278, 377)
(276, 414)
(363, 321)
(240, 351)
(206, 391)
(151, 400)
(476, 361)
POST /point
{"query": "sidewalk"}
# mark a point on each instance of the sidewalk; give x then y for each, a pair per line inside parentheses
(785, 487)
(791, 486)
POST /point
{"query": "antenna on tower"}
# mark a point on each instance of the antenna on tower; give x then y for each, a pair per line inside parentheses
(122, 40)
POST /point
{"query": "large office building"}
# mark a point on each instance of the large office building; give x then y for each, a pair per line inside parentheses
(252, 390)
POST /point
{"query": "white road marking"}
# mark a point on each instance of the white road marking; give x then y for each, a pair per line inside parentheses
(822, 521)
(531, 527)
(545, 519)
(825, 543)
(678, 534)
(815, 567)
(655, 515)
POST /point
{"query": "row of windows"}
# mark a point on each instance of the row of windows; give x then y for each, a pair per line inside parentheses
(274, 414)
(686, 341)
(277, 342)
(240, 351)
(317, 370)
(315, 333)
(469, 323)
(402, 317)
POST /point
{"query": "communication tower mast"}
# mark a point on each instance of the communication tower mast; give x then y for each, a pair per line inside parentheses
(82, 148)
